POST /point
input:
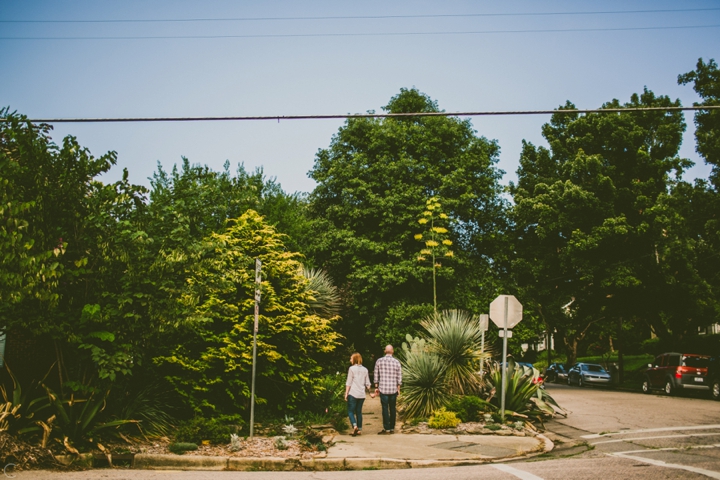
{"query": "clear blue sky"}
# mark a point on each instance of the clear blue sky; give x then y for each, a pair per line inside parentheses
(330, 74)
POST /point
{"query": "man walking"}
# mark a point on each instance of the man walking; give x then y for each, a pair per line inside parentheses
(388, 378)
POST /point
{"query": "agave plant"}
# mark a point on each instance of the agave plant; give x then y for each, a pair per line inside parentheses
(324, 298)
(455, 336)
(523, 398)
(424, 387)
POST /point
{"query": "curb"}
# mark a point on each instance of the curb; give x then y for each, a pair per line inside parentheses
(143, 461)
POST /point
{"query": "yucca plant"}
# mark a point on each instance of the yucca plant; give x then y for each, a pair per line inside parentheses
(20, 415)
(454, 336)
(325, 300)
(424, 388)
(523, 398)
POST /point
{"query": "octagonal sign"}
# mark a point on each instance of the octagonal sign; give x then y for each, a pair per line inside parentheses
(514, 311)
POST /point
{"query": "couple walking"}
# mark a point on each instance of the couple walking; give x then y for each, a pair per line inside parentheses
(388, 378)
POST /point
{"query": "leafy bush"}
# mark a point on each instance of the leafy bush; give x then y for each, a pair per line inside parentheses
(493, 426)
(326, 403)
(424, 389)
(215, 430)
(469, 407)
(182, 447)
(281, 443)
(443, 419)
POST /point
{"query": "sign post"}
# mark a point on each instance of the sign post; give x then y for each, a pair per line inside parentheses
(483, 328)
(505, 312)
(258, 266)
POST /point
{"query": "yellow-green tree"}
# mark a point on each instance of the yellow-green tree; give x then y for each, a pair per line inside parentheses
(435, 238)
(210, 368)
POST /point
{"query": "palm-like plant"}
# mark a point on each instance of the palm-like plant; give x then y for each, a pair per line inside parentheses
(325, 300)
(424, 387)
(522, 397)
(455, 336)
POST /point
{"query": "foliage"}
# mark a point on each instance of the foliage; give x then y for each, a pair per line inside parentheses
(455, 337)
(216, 430)
(211, 368)
(281, 443)
(442, 418)
(372, 184)
(324, 298)
(469, 407)
(424, 389)
(597, 238)
(435, 239)
(182, 447)
(151, 406)
(312, 438)
(20, 415)
(523, 398)
(79, 421)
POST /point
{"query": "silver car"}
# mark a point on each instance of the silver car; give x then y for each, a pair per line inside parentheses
(588, 374)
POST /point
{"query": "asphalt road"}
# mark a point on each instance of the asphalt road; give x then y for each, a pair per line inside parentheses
(608, 435)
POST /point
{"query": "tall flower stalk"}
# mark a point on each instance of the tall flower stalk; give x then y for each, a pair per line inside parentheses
(435, 238)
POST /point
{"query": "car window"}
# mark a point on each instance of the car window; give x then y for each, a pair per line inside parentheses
(695, 362)
(585, 367)
(674, 361)
(658, 361)
(595, 368)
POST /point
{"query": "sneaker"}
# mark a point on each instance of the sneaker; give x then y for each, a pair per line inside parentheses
(390, 432)
(383, 432)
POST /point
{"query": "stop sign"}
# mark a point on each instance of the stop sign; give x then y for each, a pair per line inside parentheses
(514, 311)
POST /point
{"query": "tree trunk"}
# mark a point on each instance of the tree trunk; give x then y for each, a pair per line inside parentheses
(572, 347)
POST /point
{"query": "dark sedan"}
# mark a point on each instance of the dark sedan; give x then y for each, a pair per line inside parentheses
(588, 374)
(556, 372)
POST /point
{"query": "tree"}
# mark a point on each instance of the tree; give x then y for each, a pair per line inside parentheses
(373, 182)
(210, 368)
(589, 220)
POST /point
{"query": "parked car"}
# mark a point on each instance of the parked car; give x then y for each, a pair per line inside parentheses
(677, 371)
(556, 372)
(713, 375)
(583, 374)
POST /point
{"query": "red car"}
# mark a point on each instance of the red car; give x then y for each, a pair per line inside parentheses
(677, 371)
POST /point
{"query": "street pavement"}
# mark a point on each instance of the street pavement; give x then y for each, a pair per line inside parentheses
(608, 434)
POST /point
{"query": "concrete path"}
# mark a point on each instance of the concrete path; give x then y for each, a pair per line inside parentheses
(424, 447)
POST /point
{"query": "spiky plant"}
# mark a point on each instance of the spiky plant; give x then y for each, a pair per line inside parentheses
(325, 300)
(454, 336)
(424, 388)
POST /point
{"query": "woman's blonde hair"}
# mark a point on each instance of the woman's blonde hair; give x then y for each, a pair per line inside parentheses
(356, 359)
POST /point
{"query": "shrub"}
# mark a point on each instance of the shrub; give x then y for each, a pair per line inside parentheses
(216, 430)
(443, 419)
(493, 426)
(469, 407)
(424, 389)
(182, 447)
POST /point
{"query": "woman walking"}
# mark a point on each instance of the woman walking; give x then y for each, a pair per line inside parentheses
(357, 382)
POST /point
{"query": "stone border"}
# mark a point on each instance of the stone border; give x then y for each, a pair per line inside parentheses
(278, 464)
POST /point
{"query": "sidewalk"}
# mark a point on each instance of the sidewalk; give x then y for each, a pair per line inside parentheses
(426, 447)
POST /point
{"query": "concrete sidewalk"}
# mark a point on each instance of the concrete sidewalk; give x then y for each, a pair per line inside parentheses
(427, 447)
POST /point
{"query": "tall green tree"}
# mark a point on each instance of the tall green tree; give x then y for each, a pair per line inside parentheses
(373, 182)
(592, 220)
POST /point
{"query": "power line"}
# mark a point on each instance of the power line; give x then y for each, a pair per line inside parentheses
(391, 34)
(369, 115)
(363, 17)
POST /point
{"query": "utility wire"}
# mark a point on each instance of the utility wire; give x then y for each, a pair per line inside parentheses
(365, 17)
(369, 115)
(392, 34)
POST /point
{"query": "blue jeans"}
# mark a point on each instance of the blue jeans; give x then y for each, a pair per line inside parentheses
(389, 411)
(355, 410)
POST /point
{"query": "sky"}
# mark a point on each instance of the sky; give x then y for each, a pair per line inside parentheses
(258, 64)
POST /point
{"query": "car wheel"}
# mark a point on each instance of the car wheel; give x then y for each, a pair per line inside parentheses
(715, 390)
(668, 388)
(569, 380)
(646, 385)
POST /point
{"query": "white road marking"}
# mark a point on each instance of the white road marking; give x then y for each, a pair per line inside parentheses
(521, 474)
(660, 463)
(650, 430)
(658, 437)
